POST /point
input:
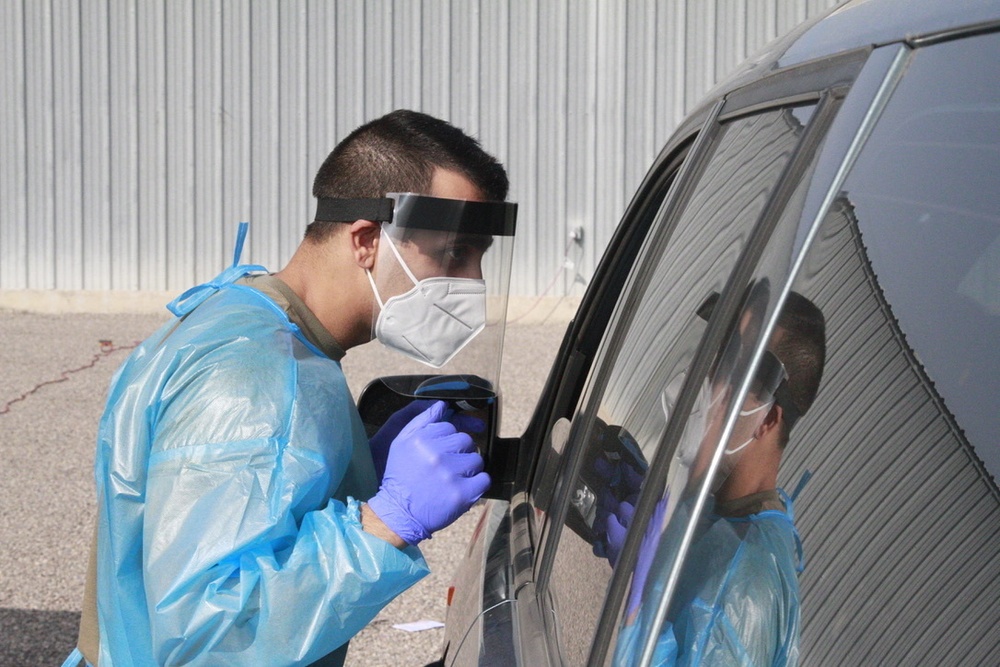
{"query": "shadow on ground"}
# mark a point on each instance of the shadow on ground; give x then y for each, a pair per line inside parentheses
(30, 638)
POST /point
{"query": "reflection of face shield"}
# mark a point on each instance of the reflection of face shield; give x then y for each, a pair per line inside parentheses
(769, 377)
(440, 279)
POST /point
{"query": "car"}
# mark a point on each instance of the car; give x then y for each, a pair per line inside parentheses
(854, 164)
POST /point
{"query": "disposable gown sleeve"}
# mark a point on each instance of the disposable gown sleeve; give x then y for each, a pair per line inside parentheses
(247, 559)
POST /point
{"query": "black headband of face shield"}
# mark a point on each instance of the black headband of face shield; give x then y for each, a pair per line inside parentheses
(424, 212)
(770, 378)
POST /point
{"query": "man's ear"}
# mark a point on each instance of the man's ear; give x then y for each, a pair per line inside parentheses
(363, 237)
(771, 421)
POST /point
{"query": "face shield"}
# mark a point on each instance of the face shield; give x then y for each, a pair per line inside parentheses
(440, 281)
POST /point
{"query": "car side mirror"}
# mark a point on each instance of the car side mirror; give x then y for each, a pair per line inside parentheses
(470, 394)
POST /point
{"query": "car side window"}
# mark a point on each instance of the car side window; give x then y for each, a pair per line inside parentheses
(644, 361)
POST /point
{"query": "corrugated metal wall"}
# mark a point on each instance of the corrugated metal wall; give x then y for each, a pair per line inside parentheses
(136, 134)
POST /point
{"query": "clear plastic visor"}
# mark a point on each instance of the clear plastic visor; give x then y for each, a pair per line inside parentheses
(430, 239)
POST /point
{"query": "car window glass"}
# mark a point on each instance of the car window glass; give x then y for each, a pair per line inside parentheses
(902, 440)
(628, 242)
(626, 409)
(720, 583)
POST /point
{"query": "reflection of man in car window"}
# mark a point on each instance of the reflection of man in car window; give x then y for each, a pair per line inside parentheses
(737, 598)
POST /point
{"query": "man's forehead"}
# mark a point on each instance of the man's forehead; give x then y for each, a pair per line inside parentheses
(450, 184)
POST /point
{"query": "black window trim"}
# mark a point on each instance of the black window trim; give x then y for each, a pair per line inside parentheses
(730, 302)
(830, 79)
(587, 329)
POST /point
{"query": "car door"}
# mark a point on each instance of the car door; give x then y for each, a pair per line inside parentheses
(759, 202)
(481, 625)
(726, 231)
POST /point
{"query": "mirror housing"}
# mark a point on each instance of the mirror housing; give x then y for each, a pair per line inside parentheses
(473, 395)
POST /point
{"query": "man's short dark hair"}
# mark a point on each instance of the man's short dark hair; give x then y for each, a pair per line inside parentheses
(802, 349)
(399, 153)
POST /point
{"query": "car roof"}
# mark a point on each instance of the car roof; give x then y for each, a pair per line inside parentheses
(851, 26)
(865, 23)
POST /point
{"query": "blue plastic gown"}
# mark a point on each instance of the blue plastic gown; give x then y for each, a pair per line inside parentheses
(737, 602)
(228, 462)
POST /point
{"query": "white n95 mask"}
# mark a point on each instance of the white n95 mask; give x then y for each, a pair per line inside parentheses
(434, 320)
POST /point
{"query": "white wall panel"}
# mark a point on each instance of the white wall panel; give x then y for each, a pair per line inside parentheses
(94, 259)
(581, 131)
(294, 180)
(237, 126)
(208, 213)
(179, 154)
(151, 138)
(609, 127)
(66, 228)
(544, 196)
(137, 133)
(13, 168)
(39, 125)
(124, 220)
(265, 137)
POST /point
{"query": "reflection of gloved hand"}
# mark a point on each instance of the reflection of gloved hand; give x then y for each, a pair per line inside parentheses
(432, 476)
(617, 526)
(620, 484)
(380, 442)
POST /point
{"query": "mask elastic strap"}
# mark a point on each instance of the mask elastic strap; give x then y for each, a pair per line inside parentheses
(399, 258)
(392, 246)
(730, 452)
(747, 413)
(371, 281)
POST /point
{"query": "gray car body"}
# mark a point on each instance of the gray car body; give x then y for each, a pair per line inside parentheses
(496, 615)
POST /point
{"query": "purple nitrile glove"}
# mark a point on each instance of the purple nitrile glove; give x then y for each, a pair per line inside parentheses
(382, 440)
(617, 525)
(433, 475)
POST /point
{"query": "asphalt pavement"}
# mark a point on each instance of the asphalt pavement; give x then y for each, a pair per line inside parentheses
(54, 374)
